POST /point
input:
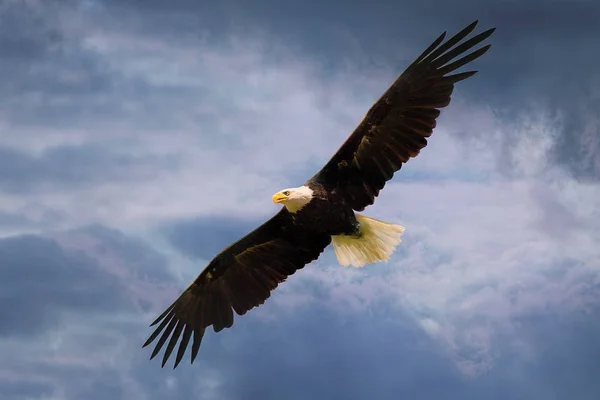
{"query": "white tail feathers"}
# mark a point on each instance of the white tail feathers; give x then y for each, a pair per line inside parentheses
(378, 241)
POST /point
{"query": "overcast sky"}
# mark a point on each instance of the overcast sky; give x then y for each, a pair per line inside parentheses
(139, 137)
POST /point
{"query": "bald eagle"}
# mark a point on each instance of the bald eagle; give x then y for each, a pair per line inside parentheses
(324, 209)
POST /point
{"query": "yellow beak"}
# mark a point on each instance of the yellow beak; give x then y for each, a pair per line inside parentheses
(278, 198)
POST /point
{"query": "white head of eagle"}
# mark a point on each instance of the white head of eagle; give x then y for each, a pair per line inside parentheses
(293, 198)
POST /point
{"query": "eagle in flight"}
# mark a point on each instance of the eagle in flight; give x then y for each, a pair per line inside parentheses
(324, 209)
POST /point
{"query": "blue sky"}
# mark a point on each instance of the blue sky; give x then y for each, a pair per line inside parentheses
(138, 138)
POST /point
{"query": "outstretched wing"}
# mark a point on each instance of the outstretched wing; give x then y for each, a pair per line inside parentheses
(397, 125)
(239, 278)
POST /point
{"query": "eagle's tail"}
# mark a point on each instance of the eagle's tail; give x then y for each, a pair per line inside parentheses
(377, 242)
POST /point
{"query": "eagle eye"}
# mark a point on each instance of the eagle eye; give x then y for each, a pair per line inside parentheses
(286, 193)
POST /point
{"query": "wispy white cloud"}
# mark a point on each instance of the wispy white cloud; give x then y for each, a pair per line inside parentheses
(248, 109)
(479, 255)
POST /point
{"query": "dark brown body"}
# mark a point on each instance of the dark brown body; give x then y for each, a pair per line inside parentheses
(327, 212)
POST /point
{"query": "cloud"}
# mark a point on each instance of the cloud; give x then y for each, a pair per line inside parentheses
(42, 277)
(350, 339)
(157, 115)
(94, 352)
(39, 279)
(19, 390)
(73, 166)
(76, 300)
(139, 138)
(204, 237)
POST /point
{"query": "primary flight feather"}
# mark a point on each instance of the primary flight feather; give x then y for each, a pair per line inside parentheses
(323, 210)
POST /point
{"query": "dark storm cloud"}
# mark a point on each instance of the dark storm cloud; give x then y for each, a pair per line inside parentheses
(204, 237)
(566, 349)
(82, 165)
(75, 382)
(318, 352)
(25, 390)
(570, 353)
(298, 352)
(311, 352)
(137, 256)
(76, 280)
(315, 352)
(332, 359)
(105, 384)
(39, 280)
(304, 354)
